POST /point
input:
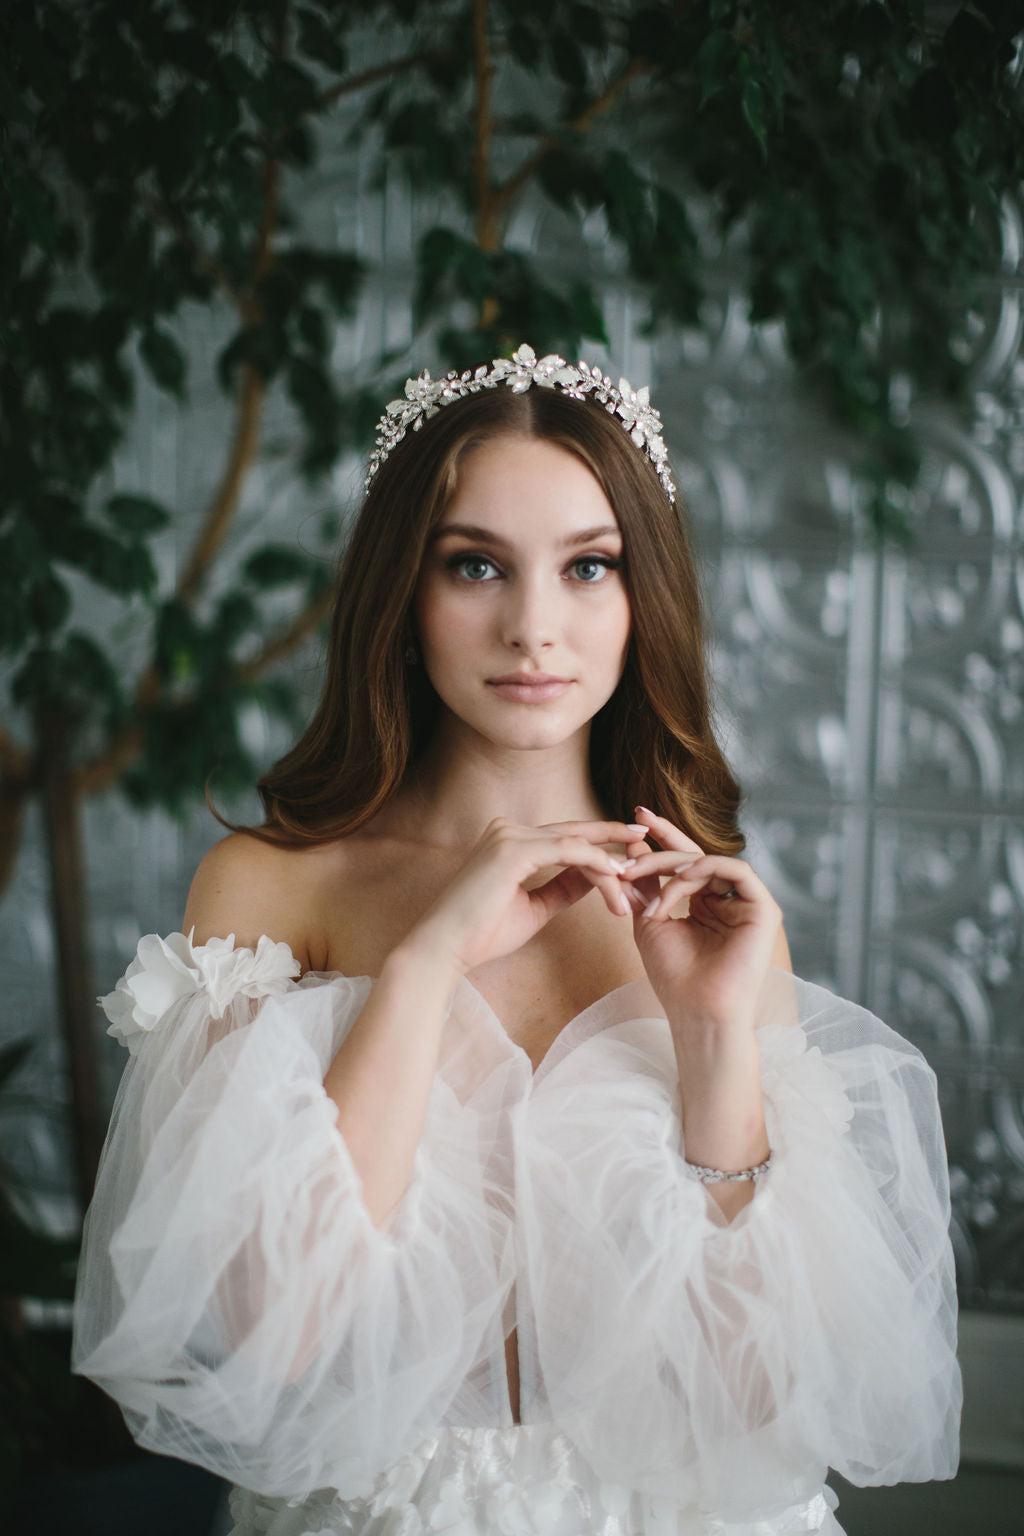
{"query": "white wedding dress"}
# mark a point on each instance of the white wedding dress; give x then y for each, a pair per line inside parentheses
(678, 1374)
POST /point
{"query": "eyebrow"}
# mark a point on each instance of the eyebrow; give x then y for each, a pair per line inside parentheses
(486, 536)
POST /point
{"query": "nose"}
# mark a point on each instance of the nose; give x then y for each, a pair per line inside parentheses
(529, 617)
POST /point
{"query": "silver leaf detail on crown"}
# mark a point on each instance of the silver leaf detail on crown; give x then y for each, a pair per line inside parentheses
(425, 396)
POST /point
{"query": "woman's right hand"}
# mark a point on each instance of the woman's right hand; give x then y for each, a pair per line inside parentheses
(484, 912)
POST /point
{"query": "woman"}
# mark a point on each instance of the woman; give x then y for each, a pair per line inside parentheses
(464, 1177)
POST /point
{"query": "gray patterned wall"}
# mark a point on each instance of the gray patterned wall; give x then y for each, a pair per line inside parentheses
(871, 700)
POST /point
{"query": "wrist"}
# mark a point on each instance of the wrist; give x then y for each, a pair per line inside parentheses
(417, 959)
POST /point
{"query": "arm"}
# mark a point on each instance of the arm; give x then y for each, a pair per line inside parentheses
(381, 1077)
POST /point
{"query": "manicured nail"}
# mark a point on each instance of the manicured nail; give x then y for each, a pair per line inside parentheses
(627, 862)
(681, 869)
(620, 864)
(634, 826)
(644, 809)
(623, 904)
(652, 907)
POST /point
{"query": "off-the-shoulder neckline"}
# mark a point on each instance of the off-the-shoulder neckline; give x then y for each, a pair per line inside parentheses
(551, 1054)
(638, 983)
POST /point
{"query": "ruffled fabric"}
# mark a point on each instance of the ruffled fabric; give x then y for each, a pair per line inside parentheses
(234, 1295)
(713, 1361)
(525, 1481)
(239, 1303)
(165, 971)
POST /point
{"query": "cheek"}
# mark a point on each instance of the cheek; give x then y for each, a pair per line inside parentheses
(442, 621)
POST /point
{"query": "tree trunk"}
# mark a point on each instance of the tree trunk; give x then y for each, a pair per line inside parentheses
(55, 730)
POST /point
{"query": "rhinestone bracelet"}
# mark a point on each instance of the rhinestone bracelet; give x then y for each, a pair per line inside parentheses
(717, 1176)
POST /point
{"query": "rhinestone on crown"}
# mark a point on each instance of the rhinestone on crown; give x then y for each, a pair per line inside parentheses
(425, 396)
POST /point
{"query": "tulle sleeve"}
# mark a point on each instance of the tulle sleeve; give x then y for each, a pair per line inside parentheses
(724, 1362)
(234, 1295)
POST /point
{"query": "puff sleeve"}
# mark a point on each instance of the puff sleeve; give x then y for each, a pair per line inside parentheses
(723, 1362)
(234, 1295)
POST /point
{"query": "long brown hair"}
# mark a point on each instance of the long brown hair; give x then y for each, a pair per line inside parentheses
(652, 743)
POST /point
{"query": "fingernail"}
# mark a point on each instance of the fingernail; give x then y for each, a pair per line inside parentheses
(651, 907)
(620, 864)
(680, 869)
(634, 826)
(627, 862)
(623, 905)
(643, 808)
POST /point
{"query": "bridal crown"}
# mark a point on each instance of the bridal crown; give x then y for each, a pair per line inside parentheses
(425, 396)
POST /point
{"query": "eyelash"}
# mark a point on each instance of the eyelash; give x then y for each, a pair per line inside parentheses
(610, 563)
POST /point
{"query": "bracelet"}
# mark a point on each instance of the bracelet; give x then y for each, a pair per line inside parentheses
(717, 1176)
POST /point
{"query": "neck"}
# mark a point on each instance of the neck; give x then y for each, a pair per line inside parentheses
(463, 782)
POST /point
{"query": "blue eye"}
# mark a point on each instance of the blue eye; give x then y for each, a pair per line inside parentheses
(458, 562)
(605, 563)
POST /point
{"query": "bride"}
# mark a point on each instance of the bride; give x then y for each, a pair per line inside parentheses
(479, 1166)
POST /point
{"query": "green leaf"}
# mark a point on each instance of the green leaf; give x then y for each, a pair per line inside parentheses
(275, 565)
(165, 360)
(313, 330)
(177, 642)
(567, 59)
(752, 102)
(34, 1264)
(49, 604)
(588, 24)
(319, 41)
(588, 314)
(523, 44)
(12, 1056)
(650, 33)
(717, 59)
(136, 515)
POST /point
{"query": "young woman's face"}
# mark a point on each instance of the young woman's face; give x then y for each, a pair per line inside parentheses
(521, 580)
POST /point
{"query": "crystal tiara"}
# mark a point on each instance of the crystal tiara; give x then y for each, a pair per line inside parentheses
(425, 396)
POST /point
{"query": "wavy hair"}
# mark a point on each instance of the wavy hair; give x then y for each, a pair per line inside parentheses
(652, 743)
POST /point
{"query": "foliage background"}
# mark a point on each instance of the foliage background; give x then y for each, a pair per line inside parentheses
(230, 228)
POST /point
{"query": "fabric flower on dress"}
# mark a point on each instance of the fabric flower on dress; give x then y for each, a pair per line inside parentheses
(452, 1512)
(165, 971)
(798, 1075)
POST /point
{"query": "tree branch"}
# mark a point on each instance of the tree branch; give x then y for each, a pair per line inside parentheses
(225, 502)
(15, 763)
(289, 639)
(487, 229)
(509, 189)
(204, 259)
(378, 72)
(109, 765)
(111, 762)
(486, 224)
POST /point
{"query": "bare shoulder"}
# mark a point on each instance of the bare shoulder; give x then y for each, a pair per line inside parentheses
(249, 887)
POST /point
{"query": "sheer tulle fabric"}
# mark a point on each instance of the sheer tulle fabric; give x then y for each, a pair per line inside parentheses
(238, 1302)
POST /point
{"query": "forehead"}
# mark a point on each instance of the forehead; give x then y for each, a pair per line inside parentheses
(525, 485)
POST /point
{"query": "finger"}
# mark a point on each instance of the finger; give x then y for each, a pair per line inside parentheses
(568, 848)
(568, 886)
(667, 833)
(721, 875)
(666, 862)
(598, 831)
(725, 892)
(718, 878)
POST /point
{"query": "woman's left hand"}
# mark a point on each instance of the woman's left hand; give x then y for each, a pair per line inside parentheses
(706, 968)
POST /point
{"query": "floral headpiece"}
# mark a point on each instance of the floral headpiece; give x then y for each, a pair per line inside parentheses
(425, 396)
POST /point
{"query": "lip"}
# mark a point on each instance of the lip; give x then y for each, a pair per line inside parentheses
(529, 687)
(528, 679)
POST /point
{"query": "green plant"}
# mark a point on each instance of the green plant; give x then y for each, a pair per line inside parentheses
(156, 157)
